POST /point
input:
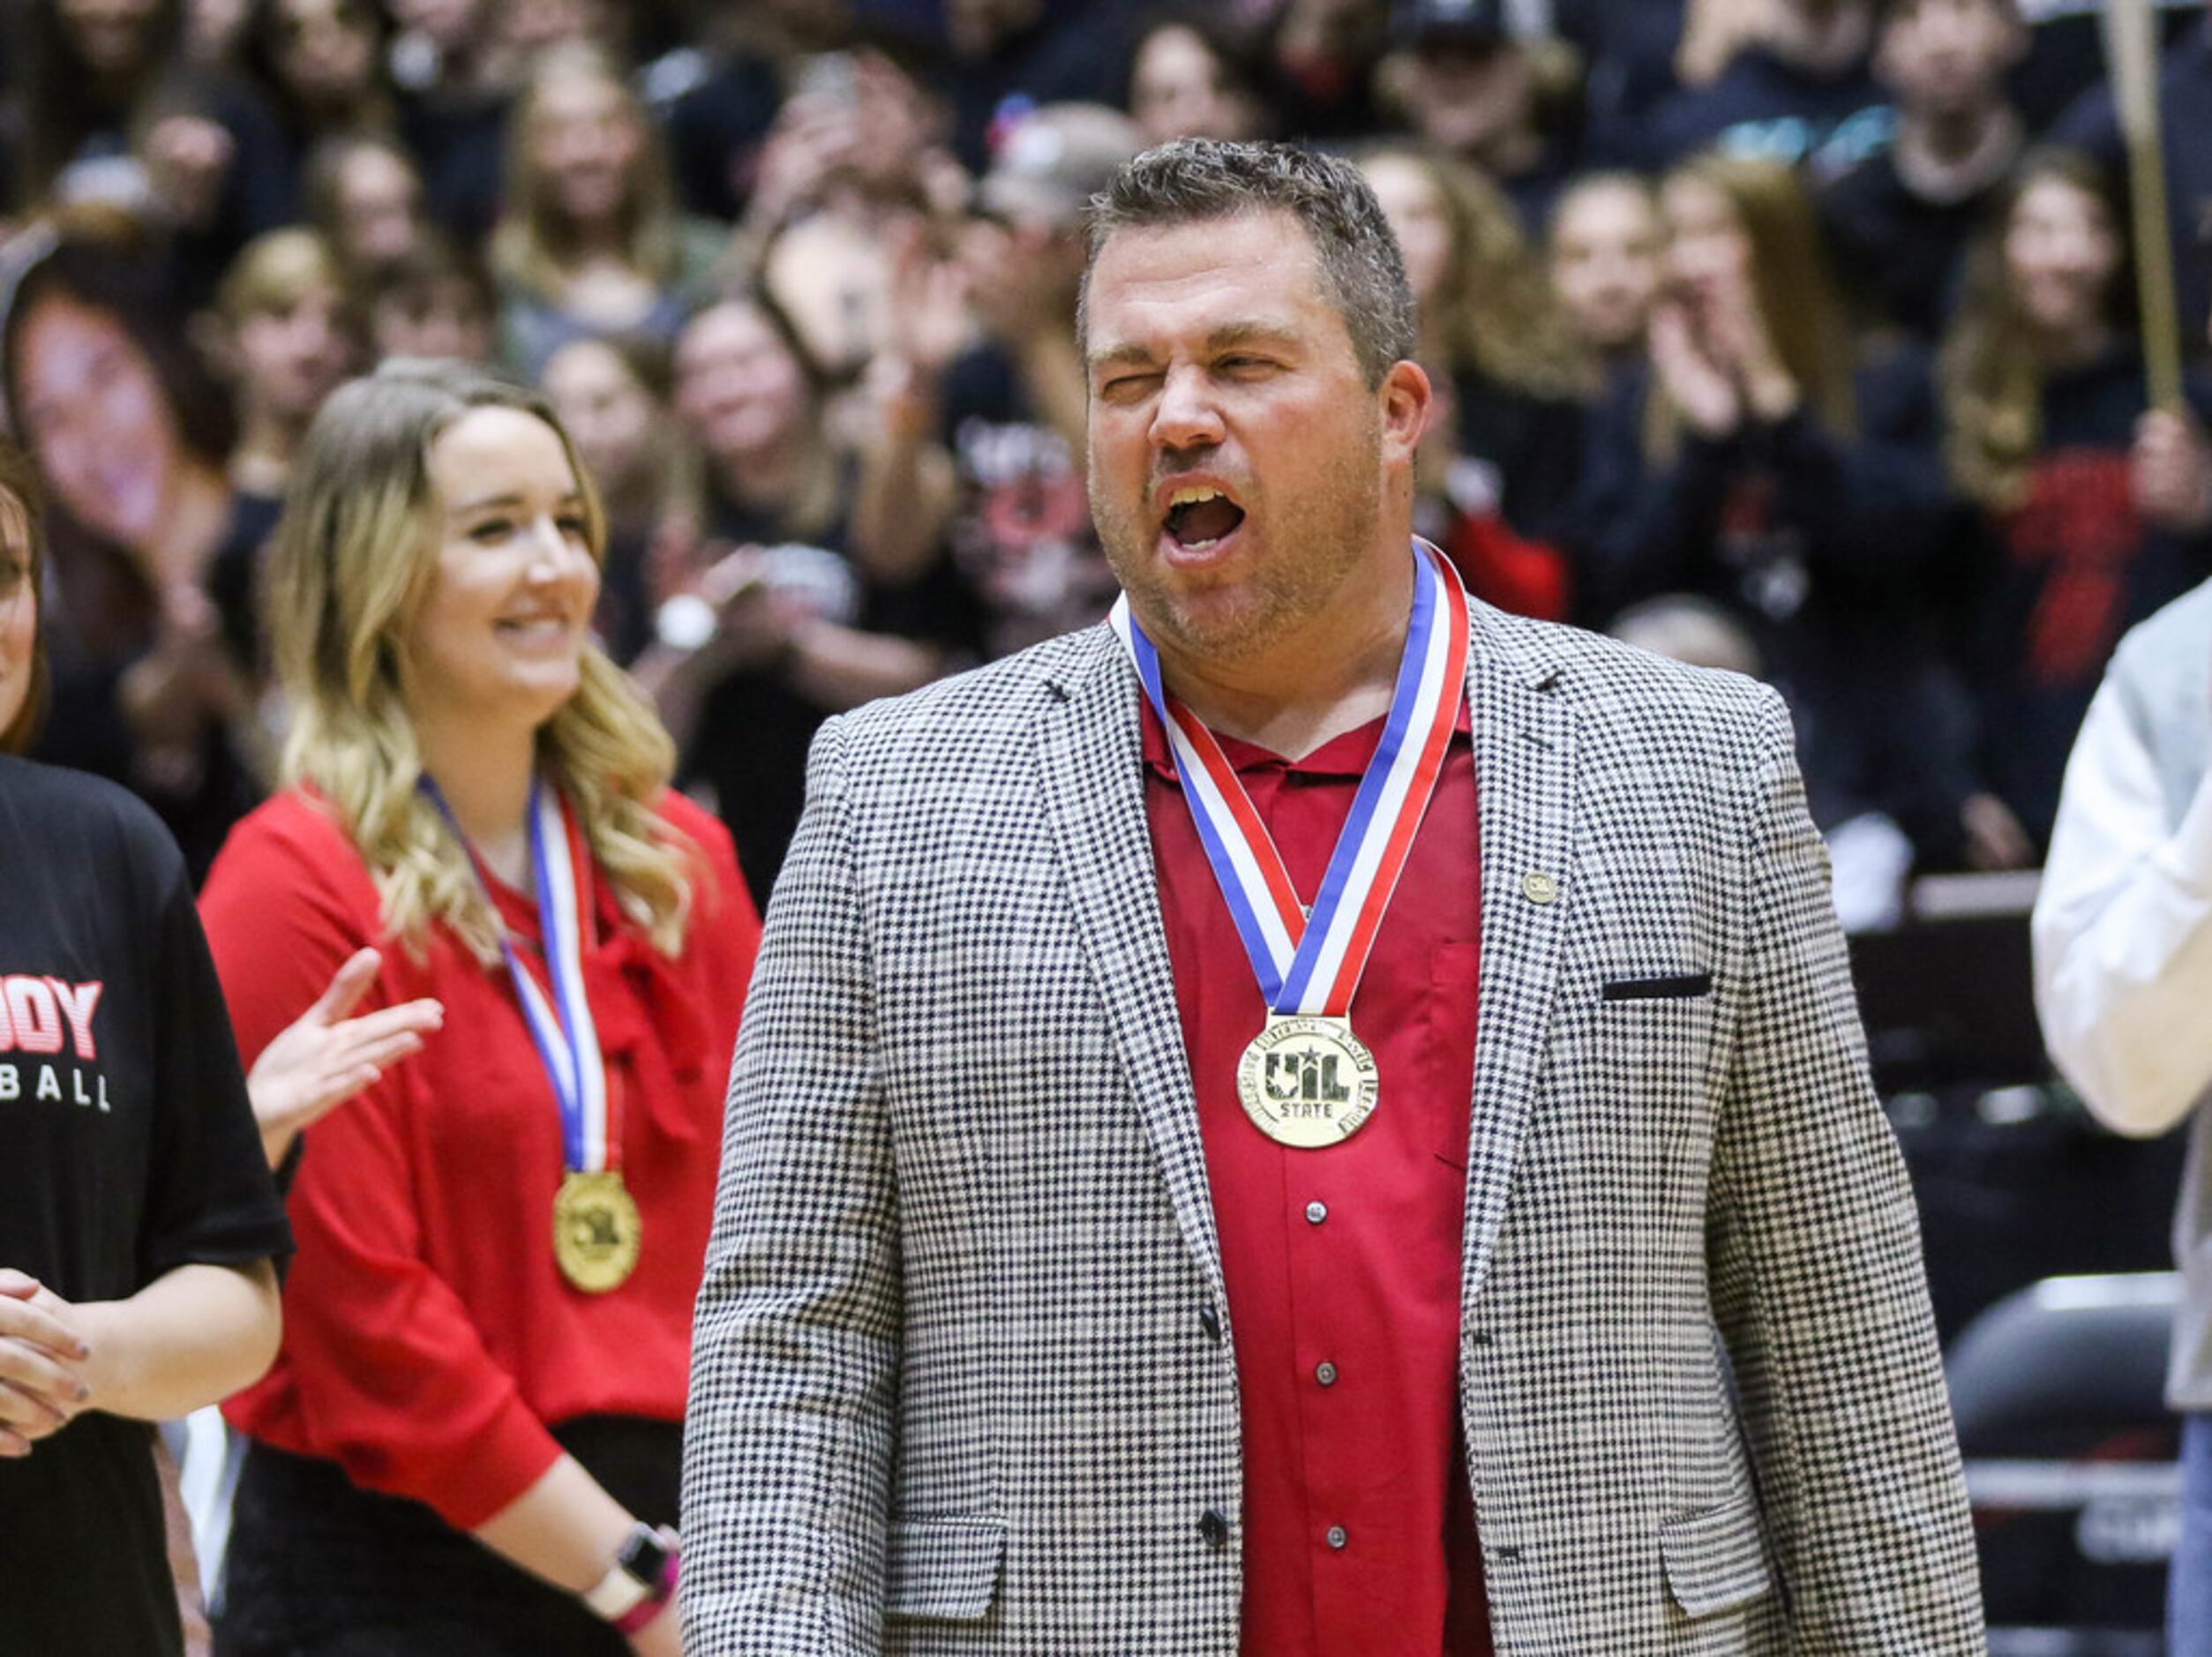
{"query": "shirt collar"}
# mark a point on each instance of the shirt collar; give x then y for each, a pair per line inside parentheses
(1345, 755)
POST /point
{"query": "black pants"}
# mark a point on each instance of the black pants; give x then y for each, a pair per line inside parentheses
(318, 1567)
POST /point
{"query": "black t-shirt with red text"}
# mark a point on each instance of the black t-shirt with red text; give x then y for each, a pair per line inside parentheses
(2061, 576)
(131, 1151)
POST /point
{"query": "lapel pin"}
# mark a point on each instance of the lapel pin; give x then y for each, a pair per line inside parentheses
(1539, 888)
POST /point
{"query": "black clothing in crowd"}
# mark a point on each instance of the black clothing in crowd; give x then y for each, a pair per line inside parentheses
(2048, 587)
(132, 1151)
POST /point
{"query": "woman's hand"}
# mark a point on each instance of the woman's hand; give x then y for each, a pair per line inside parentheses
(42, 1383)
(324, 1057)
(2171, 472)
(1702, 388)
(1994, 838)
(930, 322)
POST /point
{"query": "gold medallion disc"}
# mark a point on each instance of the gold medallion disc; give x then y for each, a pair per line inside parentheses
(1307, 1080)
(596, 1231)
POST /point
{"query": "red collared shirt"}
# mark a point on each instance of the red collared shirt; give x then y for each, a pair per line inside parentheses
(1342, 1265)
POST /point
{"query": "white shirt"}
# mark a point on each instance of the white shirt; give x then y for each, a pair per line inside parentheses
(2123, 930)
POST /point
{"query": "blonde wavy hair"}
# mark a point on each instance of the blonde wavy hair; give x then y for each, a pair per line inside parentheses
(352, 563)
(1791, 281)
(1495, 309)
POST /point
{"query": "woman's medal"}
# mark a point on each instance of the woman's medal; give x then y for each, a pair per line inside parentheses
(596, 1228)
(595, 1225)
(1306, 1080)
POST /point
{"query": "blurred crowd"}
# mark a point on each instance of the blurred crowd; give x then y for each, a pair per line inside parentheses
(1794, 336)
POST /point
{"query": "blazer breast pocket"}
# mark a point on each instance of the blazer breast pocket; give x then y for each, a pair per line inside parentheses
(1681, 987)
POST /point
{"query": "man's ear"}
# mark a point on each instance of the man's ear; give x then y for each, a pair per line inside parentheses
(1405, 399)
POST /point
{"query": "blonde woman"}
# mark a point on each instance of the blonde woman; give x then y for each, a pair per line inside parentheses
(1501, 457)
(469, 1442)
(591, 241)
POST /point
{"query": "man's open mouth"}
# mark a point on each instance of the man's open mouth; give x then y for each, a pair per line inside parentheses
(1198, 515)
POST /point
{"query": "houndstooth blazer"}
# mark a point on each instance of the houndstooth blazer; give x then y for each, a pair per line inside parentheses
(956, 1388)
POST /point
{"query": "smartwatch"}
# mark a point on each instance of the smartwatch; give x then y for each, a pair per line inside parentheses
(640, 1581)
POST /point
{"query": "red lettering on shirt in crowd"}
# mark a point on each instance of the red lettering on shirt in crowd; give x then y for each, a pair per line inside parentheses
(2079, 521)
(33, 1012)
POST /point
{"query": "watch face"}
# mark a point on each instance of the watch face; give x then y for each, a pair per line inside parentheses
(645, 1556)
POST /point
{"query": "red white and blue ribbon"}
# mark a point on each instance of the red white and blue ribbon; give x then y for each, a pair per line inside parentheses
(562, 1030)
(1312, 964)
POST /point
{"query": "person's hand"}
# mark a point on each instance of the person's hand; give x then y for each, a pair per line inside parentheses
(930, 321)
(187, 157)
(2171, 472)
(325, 1056)
(43, 1385)
(813, 140)
(1994, 838)
(1704, 391)
(184, 684)
(1738, 341)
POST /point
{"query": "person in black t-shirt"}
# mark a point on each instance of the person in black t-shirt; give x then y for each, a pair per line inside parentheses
(139, 1222)
(798, 617)
(1897, 222)
(2093, 509)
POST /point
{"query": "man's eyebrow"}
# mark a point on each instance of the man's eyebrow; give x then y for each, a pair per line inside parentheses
(1225, 338)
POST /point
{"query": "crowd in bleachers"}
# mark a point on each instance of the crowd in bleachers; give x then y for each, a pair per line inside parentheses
(1797, 336)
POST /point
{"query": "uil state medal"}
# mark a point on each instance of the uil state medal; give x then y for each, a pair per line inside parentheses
(596, 1231)
(1306, 1081)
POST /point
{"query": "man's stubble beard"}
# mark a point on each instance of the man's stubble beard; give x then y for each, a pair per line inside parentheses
(1293, 584)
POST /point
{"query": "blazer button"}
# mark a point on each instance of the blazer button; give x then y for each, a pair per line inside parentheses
(1214, 1528)
(1210, 1321)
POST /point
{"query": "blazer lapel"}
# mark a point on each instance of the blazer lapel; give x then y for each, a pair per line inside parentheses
(1090, 758)
(1524, 782)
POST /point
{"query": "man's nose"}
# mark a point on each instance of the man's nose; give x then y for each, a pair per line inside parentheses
(1187, 414)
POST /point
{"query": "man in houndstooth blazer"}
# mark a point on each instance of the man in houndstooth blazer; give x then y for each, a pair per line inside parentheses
(963, 1381)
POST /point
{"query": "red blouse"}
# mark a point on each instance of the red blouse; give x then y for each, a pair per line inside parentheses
(1342, 1265)
(429, 1338)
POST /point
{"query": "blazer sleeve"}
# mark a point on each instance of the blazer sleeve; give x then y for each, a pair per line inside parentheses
(788, 1441)
(1815, 1261)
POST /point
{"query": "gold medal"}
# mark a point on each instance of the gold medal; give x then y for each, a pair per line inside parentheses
(1307, 1080)
(595, 1231)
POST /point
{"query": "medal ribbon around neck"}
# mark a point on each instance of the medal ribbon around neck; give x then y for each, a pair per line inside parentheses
(1312, 966)
(563, 1031)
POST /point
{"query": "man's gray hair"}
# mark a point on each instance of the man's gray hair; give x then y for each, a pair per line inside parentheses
(1191, 181)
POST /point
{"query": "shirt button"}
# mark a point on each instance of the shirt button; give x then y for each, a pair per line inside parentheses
(1315, 1212)
(1214, 1528)
(1325, 1373)
(1210, 1321)
(1336, 1537)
